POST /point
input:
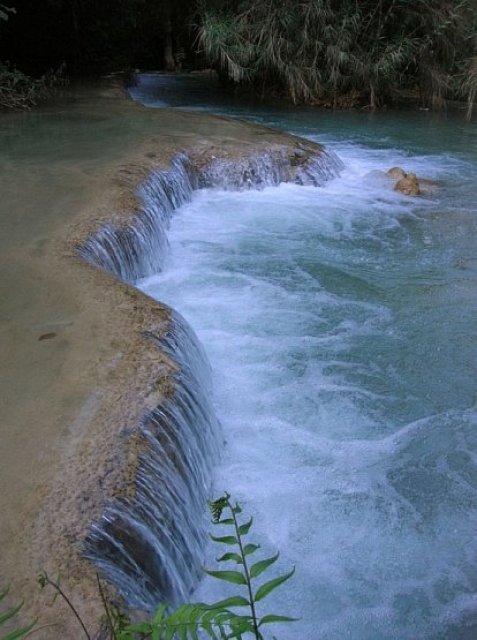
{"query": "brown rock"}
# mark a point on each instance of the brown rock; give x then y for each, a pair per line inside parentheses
(428, 187)
(397, 173)
(408, 185)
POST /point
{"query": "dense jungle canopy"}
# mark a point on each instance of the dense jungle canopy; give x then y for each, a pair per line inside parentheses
(332, 52)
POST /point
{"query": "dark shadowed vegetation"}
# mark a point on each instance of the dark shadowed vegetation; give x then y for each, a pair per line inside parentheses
(346, 53)
(96, 37)
(21, 91)
(335, 53)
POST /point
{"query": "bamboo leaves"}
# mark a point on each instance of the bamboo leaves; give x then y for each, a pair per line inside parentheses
(9, 615)
(326, 50)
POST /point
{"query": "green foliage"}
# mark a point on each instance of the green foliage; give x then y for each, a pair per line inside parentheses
(19, 91)
(5, 11)
(469, 84)
(220, 620)
(326, 50)
(10, 614)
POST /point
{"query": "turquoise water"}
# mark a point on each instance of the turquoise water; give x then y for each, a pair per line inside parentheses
(340, 323)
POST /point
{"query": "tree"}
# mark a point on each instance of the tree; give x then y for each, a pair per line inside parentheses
(329, 50)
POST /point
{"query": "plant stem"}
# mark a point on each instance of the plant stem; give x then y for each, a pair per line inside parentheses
(106, 608)
(57, 587)
(247, 574)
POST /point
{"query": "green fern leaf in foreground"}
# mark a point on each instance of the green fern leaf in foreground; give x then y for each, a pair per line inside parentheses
(192, 621)
(218, 620)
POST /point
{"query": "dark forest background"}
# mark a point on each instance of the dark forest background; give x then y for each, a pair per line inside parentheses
(339, 53)
(95, 36)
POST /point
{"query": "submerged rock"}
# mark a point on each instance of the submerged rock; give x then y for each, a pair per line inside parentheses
(397, 173)
(409, 184)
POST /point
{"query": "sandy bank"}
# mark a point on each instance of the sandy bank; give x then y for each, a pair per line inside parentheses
(76, 374)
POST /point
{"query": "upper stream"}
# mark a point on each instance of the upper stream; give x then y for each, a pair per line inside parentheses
(340, 327)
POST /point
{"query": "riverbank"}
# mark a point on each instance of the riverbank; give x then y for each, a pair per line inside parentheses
(77, 372)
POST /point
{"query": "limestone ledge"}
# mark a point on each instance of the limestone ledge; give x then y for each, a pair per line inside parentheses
(105, 375)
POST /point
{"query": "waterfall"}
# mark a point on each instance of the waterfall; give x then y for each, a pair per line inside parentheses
(137, 249)
(270, 169)
(149, 544)
(319, 169)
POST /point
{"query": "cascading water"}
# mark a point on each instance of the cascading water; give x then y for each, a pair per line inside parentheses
(132, 251)
(150, 544)
(138, 249)
(340, 326)
(266, 169)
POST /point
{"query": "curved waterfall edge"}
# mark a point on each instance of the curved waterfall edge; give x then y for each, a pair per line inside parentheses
(137, 249)
(149, 542)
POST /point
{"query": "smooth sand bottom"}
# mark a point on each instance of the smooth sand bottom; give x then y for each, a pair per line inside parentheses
(76, 373)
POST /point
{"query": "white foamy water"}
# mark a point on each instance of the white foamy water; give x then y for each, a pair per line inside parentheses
(339, 325)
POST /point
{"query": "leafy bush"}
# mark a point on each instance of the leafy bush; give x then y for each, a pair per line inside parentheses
(5, 11)
(20, 91)
(324, 50)
(469, 84)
